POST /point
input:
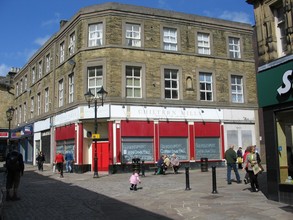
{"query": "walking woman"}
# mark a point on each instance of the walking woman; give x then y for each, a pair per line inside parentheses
(252, 169)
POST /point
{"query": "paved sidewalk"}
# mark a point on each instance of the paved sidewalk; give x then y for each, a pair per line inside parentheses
(45, 195)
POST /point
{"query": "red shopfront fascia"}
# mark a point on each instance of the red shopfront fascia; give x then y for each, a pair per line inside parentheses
(168, 129)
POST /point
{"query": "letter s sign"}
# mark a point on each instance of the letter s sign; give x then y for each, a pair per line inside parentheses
(286, 82)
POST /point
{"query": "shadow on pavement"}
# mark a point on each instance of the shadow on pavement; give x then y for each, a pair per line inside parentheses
(46, 198)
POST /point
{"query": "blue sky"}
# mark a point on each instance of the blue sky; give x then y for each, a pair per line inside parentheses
(27, 24)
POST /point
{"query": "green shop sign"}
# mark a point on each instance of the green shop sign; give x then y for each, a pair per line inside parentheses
(274, 85)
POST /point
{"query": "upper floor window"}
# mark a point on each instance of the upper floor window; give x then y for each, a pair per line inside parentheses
(61, 93)
(48, 63)
(234, 47)
(39, 103)
(19, 114)
(46, 99)
(237, 89)
(133, 81)
(62, 53)
(95, 35)
(33, 75)
(32, 107)
(206, 86)
(71, 46)
(171, 81)
(170, 39)
(280, 30)
(24, 112)
(25, 82)
(40, 69)
(21, 86)
(16, 89)
(70, 88)
(203, 43)
(95, 79)
(133, 35)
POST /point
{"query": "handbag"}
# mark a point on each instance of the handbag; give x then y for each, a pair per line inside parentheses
(239, 160)
(256, 169)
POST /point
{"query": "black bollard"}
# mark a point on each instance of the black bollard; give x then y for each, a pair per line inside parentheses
(142, 168)
(187, 178)
(214, 180)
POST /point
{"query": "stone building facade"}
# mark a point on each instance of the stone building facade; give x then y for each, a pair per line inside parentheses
(176, 83)
(274, 30)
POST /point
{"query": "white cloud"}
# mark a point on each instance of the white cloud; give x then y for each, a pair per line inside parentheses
(235, 16)
(41, 40)
(4, 69)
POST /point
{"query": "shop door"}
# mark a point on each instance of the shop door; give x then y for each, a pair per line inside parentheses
(103, 156)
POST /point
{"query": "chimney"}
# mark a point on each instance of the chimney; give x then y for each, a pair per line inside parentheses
(62, 23)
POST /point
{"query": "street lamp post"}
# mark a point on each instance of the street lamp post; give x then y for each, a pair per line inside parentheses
(90, 97)
(9, 116)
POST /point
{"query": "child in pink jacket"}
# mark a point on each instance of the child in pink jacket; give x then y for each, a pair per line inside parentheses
(134, 180)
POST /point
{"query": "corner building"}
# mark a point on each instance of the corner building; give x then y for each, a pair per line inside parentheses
(274, 30)
(177, 83)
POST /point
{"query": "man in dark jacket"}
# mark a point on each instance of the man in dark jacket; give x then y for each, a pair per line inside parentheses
(231, 157)
(14, 169)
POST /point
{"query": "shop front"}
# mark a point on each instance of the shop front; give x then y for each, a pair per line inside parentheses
(4, 133)
(275, 96)
(22, 137)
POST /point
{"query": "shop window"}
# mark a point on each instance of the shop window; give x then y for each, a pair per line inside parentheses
(176, 146)
(65, 146)
(141, 148)
(207, 148)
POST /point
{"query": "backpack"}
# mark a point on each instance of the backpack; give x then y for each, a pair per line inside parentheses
(12, 163)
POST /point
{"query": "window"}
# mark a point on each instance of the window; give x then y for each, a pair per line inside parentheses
(203, 43)
(207, 148)
(133, 35)
(171, 81)
(61, 53)
(17, 87)
(141, 147)
(19, 114)
(40, 69)
(280, 30)
(21, 86)
(95, 35)
(33, 75)
(71, 46)
(32, 107)
(46, 99)
(70, 88)
(206, 86)
(133, 81)
(237, 89)
(234, 47)
(95, 79)
(24, 112)
(39, 103)
(60, 93)
(174, 145)
(170, 39)
(25, 82)
(48, 63)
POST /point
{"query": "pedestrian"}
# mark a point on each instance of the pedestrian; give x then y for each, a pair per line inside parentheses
(175, 163)
(40, 161)
(14, 168)
(59, 160)
(167, 163)
(134, 180)
(239, 158)
(252, 169)
(231, 156)
(160, 165)
(246, 152)
(69, 160)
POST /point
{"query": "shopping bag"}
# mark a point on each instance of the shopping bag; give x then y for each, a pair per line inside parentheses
(256, 169)
(54, 168)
